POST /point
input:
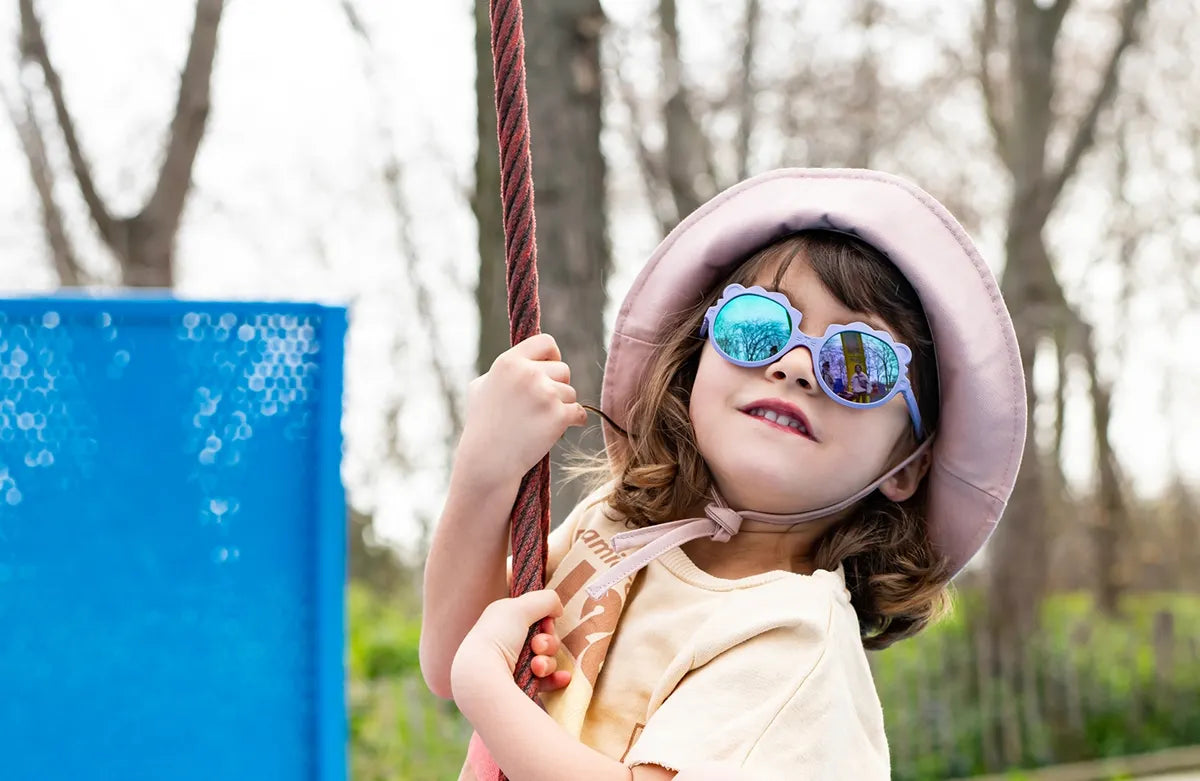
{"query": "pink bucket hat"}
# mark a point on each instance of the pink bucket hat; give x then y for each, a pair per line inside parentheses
(979, 442)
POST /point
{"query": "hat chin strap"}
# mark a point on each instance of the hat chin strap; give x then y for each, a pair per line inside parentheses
(719, 524)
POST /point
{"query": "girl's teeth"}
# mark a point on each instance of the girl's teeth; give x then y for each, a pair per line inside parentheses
(782, 420)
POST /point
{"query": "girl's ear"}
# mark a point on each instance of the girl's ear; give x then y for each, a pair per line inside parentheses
(903, 484)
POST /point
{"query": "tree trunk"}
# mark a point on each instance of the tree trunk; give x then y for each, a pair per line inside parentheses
(1022, 127)
(146, 251)
(1111, 523)
(689, 167)
(564, 81)
(1019, 556)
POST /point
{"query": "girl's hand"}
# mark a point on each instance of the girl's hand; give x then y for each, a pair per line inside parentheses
(490, 650)
(516, 412)
(545, 663)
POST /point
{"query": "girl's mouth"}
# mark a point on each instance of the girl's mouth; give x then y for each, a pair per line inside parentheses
(779, 420)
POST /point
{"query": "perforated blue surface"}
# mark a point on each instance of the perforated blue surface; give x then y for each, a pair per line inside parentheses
(171, 540)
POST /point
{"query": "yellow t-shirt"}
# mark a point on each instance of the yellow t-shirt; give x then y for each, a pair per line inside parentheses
(767, 672)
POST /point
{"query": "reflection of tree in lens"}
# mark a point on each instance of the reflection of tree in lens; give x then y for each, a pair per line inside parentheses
(882, 366)
(750, 340)
(851, 351)
(752, 328)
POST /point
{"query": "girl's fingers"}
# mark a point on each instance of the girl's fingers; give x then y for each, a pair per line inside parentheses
(566, 394)
(576, 415)
(533, 606)
(539, 347)
(544, 644)
(557, 371)
(558, 680)
(544, 666)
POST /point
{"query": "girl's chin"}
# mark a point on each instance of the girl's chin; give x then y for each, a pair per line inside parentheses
(772, 494)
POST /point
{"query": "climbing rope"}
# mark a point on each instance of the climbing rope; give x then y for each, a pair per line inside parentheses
(530, 518)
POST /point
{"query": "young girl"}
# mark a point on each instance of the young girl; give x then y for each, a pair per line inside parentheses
(708, 607)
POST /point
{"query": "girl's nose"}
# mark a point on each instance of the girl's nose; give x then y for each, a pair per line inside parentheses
(794, 365)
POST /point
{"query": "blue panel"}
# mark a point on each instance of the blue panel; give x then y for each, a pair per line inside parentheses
(171, 540)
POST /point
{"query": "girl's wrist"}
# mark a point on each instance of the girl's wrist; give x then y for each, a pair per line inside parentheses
(476, 678)
(483, 474)
(479, 486)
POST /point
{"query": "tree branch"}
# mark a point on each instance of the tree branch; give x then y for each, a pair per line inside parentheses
(1060, 404)
(447, 385)
(1000, 125)
(187, 126)
(650, 166)
(354, 20)
(1086, 132)
(865, 103)
(687, 152)
(1128, 238)
(746, 89)
(24, 119)
(33, 48)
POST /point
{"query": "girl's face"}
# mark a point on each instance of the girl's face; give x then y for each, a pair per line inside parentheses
(775, 466)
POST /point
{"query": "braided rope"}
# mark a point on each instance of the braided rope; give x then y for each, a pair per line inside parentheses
(530, 518)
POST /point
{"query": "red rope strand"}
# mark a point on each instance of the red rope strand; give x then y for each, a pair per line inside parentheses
(531, 512)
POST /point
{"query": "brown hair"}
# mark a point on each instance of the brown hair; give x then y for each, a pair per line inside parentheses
(896, 579)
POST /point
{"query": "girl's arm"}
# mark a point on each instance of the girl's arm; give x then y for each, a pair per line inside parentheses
(515, 414)
(524, 741)
(465, 570)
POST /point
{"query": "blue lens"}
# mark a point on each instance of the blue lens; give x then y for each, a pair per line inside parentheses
(752, 328)
(859, 367)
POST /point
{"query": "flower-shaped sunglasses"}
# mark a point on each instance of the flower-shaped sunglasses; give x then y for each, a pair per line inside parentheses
(857, 366)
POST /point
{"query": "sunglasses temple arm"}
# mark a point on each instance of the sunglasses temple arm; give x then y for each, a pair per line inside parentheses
(911, 400)
(607, 419)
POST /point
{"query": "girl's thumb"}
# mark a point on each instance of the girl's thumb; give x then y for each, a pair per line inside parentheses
(536, 605)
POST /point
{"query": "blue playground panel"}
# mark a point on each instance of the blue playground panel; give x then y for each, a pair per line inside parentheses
(172, 540)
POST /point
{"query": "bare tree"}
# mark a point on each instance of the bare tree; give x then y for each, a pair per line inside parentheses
(833, 111)
(1020, 106)
(1111, 525)
(564, 82)
(143, 243)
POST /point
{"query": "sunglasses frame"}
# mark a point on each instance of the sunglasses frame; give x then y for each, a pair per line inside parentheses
(815, 344)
